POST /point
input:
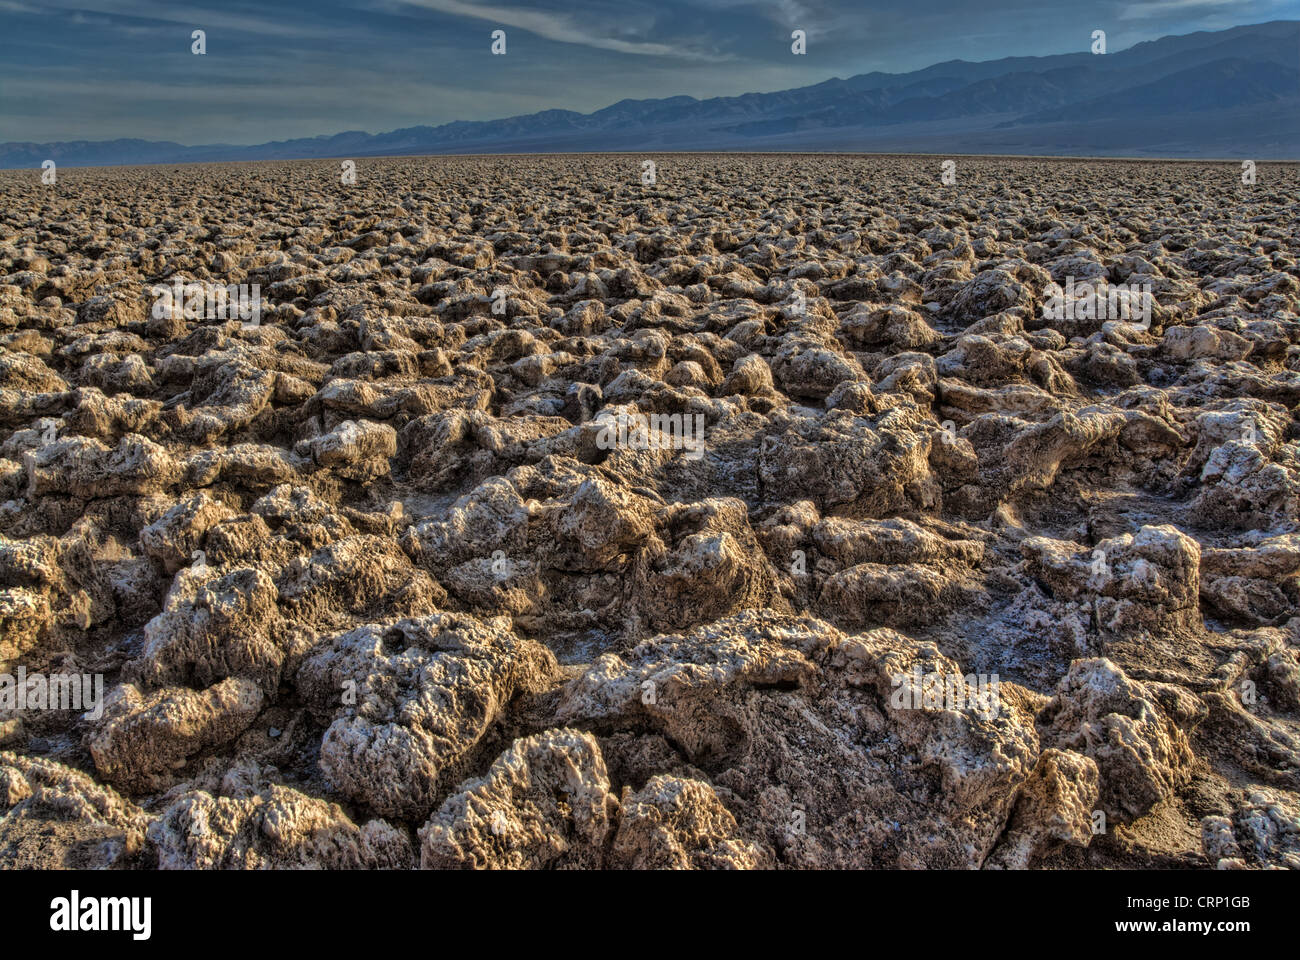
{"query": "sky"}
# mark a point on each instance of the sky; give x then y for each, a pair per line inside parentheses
(106, 69)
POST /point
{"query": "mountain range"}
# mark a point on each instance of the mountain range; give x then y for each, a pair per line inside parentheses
(1228, 94)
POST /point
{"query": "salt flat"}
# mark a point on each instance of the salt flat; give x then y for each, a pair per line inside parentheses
(381, 508)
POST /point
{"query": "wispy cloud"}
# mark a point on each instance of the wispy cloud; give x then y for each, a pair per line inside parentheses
(562, 28)
(212, 19)
(1153, 9)
(814, 18)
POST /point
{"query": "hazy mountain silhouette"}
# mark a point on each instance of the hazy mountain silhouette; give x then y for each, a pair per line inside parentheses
(1230, 93)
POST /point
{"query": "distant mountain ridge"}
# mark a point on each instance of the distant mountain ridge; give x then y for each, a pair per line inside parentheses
(1229, 93)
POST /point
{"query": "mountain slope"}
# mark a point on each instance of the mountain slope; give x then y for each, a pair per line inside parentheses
(1246, 77)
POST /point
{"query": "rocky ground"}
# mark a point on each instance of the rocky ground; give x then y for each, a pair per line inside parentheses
(367, 590)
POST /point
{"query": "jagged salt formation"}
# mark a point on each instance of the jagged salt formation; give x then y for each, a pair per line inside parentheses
(371, 588)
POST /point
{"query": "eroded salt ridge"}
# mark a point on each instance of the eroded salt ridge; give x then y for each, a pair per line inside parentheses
(946, 582)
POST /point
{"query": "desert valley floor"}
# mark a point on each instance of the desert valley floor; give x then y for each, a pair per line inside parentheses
(424, 565)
